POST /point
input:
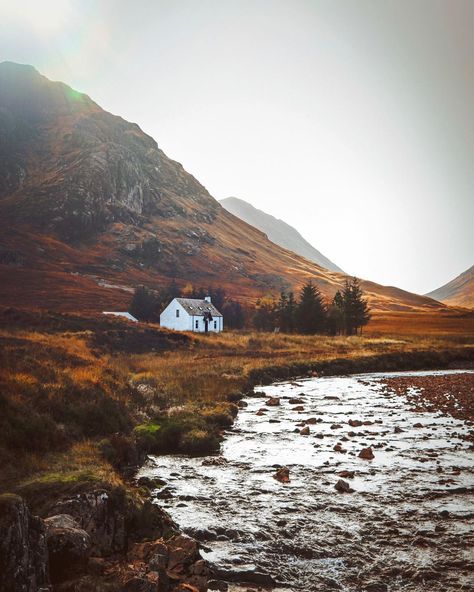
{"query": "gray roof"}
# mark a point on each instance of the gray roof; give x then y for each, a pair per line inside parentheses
(196, 306)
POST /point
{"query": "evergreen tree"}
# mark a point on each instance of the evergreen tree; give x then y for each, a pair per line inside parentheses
(361, 310)
(311, 311)
(234, 316)
(335, 315)
(355, 308)
(286, 312)
(145, 304)
(265, 316)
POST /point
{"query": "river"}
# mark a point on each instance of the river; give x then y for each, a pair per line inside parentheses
(406, 526)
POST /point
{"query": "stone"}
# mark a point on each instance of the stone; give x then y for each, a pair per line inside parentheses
(354, 423)
(298, 408)
(366, 453)
(346, 474)
(214, 461)
(272, 402)
(338, 448)
(343, 486)
(398, 430)
(68, 547)
(23, 548)
(311, 420)
(242, 404)
(304, 431)
(282, 475)
(296, 401)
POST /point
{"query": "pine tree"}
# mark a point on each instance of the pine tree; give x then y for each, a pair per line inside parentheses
(265, 316)
(145, 304)
(311, 311)
(360, 306)
(355, 308)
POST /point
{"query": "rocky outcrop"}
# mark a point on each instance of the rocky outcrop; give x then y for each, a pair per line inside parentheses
(112, 520)
(23, 549)
(68, 546)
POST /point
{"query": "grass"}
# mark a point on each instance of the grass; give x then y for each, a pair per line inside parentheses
(74, 408)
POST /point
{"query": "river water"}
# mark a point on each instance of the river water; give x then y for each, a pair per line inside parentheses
(406, 526)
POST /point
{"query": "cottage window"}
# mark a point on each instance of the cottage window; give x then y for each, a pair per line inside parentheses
(197, 324)
(177, 312)
(215, 324)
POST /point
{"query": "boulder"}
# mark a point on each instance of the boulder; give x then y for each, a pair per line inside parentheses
(304, 431)
(343, 486)
(68, 546)
(272, 402)
(23, 548)
(367, 453)
(355, 423)
(282, 475)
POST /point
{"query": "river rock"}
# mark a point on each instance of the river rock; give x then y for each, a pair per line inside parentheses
(214, 461)
(343, 486)
(68, 546)
(304, 431)
(298, 408)
(296, 401)
(23, 548)
(354, 423)
(398, 430)
(338, 448)
(282, 475)
(242, 404)
(346, 474)
(366, 453)
(311, 421)
(272, 402)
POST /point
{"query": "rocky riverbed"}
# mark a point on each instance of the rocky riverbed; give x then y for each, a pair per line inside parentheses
(378, 495)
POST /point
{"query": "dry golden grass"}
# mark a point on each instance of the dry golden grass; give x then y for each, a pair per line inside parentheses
(217, 365)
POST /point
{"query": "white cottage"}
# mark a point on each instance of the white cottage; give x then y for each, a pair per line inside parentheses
(192, 314)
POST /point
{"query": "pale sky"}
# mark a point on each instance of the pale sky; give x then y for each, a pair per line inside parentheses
(352, 120)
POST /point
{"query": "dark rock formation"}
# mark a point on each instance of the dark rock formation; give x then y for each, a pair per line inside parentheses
(23, 550)
(68, 546)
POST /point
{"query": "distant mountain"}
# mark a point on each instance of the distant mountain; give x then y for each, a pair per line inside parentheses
(90, 207)
(278, 231)
(457, 292)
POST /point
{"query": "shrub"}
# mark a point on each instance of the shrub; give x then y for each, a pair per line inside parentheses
(198, 442)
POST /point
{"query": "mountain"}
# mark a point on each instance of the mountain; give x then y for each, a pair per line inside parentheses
(278, 231)
(457, 292)
(90, 207)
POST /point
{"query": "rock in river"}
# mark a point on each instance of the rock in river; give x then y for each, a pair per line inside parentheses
(282, 475)
(367, 453)
(273, 402)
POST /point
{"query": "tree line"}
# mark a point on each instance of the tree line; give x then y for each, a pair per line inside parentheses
(308, 314)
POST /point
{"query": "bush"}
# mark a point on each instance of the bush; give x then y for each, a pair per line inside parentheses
(198, 442)
(184, 432)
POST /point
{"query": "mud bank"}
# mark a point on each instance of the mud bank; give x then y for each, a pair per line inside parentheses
(397, 519)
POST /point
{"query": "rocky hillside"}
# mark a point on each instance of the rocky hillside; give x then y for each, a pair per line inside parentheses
(90, 206)
(278, 231)
(457, 292)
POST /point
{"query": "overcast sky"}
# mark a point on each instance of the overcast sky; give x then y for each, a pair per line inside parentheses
(351, 120)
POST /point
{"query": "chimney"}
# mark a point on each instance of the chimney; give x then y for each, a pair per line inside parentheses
(207, 299)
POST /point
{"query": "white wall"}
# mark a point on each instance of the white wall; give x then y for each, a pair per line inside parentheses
(169, 319)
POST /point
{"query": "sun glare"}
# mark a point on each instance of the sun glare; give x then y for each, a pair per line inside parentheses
(41, 15)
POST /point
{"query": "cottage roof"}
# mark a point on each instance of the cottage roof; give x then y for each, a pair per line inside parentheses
(196, 306)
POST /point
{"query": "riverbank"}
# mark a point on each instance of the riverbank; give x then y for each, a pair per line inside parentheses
(84, 400)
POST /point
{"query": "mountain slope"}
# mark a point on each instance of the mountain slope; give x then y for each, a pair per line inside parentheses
(457, 292)
(90, 207)
(278, 231)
